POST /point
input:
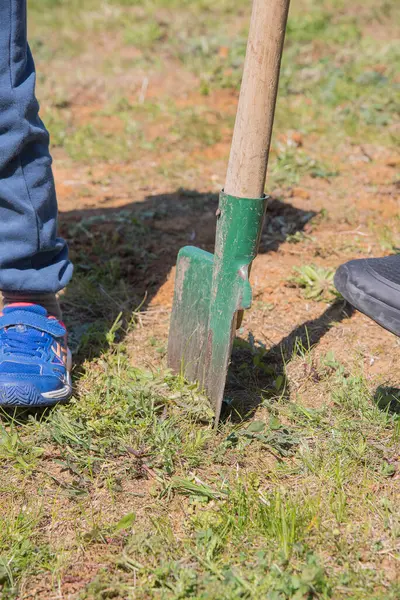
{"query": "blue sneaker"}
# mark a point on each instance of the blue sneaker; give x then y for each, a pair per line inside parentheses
(35, 362)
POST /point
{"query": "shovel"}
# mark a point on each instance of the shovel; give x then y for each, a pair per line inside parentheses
(213, 290)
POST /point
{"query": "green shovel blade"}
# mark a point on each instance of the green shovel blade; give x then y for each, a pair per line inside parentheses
(188, 335)
(210, 290)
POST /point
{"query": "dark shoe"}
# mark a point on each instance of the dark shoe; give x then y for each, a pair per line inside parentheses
(372, 285)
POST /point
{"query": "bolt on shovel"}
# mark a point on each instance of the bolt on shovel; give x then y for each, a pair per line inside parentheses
(213, 290)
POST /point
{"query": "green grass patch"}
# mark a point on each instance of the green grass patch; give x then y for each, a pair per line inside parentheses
(333, 70)
(315, 282)
(298, 523)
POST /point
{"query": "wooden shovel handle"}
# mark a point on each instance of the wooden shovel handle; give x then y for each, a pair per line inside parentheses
(253, 128)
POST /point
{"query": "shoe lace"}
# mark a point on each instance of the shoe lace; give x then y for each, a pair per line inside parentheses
(16, 341)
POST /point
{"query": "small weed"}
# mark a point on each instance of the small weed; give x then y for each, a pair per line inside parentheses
(316, 283)
(274, 435)
(298, 237)
(20, 552)
(144, 35)
(387, 235)
(291, 164)
(88, 143)
(12, 448)
(198, 126)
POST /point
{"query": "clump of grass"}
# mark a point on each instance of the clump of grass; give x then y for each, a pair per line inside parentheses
(89, 143)
(268, 527)
(21, 553)
(145, 34)
(123, 410)
(199, 127)
(14, 449)
(315, 282)
(291, 164)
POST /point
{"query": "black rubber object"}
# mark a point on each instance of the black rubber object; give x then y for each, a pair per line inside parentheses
(372, 285)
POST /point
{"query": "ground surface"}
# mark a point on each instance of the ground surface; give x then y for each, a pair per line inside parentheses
(128, 492)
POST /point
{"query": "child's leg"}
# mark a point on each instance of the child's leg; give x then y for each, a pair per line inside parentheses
(33, 261)
(34, 358)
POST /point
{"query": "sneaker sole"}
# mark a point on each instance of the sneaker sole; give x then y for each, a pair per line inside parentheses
(385, 315)
(26, 394)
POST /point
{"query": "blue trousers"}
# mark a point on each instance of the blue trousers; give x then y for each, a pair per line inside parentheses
(32, 257)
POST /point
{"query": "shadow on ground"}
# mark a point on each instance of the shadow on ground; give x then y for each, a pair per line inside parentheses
(258, 375)
(123, 256)
(388, 399)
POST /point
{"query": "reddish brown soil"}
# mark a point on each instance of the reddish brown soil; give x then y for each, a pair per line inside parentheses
(359, 202)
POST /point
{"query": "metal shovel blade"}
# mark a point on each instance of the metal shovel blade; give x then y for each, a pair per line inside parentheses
(210, 290)
(187, 344)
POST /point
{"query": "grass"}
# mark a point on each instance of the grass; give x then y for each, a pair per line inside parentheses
(306, 525)
(316, 282)
(333, 69)
(129, 492)
(290, 164)
(96, 141)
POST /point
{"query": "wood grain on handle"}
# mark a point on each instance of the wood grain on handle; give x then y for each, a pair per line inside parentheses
(248, 159)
